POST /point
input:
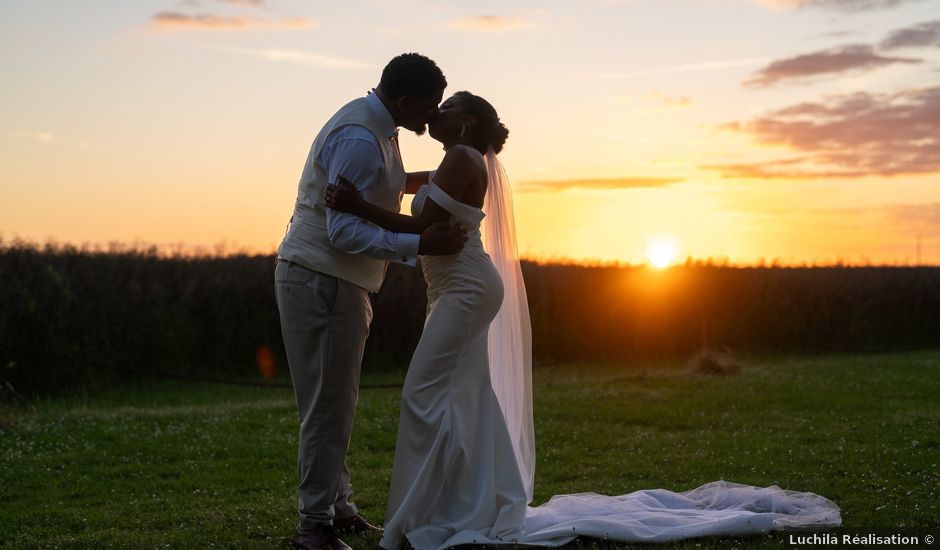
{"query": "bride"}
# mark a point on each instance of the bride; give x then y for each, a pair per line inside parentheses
(465, 454)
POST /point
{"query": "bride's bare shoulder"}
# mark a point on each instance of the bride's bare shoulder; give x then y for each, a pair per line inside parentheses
(463, 157)
(464, 154)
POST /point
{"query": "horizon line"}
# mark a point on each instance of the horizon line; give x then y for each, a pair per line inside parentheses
(227, 249)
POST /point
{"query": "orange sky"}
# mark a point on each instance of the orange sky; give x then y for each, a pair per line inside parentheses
(745, 129)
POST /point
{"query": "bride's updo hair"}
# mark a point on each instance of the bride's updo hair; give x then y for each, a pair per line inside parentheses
(489, 130)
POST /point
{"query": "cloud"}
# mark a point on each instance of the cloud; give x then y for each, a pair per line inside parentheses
(609, 183)
(249, 3)
(856, 57)
(210, 22)
(849, 136)
(652, 103)
(780, 170)
(925, 34)
(913, 217)
(689, 68)
(489, 23)
(45, 138)
(845, 6)
(246, 3)
(671, 102)
(297, 57)
(838, 34)
(39, 137)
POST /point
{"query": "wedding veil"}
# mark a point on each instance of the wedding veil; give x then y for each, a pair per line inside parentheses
(510, 335)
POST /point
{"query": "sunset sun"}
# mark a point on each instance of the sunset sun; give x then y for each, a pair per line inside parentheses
(662, 251)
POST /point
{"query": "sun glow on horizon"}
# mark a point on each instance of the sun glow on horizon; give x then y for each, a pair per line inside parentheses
(662, 251)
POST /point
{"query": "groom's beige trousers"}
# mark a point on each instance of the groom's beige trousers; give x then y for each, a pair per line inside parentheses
(325, 322)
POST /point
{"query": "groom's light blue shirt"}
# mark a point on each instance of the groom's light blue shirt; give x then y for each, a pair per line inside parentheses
(353, 152)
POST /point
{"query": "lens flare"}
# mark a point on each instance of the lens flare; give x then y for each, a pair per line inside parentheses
(267, 364)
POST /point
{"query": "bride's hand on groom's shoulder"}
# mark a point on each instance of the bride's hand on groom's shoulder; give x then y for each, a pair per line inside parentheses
(342, 196)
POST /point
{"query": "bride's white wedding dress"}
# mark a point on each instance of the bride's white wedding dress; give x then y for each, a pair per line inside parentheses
(464, 458)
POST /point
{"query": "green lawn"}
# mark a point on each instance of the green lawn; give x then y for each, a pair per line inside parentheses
(171, 464)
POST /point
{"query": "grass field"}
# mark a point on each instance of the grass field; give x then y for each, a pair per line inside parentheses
(172, 464)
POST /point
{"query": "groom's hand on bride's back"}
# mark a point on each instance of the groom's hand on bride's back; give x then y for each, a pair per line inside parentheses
(441, 239)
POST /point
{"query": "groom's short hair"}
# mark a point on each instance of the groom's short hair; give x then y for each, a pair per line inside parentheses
(412, 74)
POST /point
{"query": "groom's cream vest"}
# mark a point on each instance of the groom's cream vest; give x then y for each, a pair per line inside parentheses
(306, 242)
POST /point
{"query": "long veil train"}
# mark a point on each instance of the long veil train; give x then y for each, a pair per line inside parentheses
(509, 342)
(654, 515)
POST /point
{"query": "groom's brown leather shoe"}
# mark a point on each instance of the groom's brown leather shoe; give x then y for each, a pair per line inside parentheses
(318, 538)
(354, 524)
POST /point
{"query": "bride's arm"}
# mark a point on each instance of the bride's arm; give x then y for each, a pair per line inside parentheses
(453, 176)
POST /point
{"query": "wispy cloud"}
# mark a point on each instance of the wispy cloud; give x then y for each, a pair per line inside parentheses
(490, 23)
(249, 3)
(297, 57)
(609, 183)
(695, 67)
(800, 168)
(46, 138)
(922, 35)
(245, 3)
(845, 6)
(842, 59)
(838, 34)
(671, 102)
(914, 217)
(654, 102)
(175, 21)
(849, 136)
(39, 137)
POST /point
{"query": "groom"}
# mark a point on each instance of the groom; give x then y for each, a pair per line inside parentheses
(328, 265)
